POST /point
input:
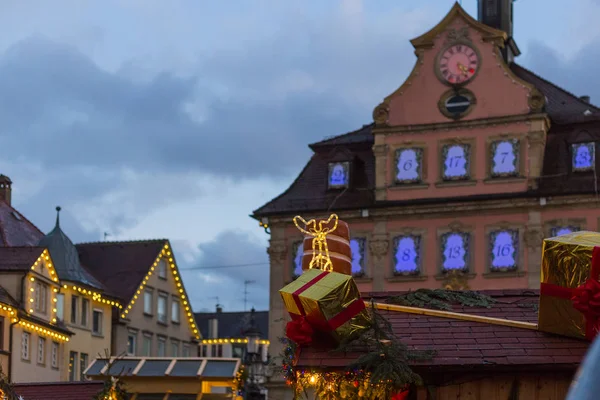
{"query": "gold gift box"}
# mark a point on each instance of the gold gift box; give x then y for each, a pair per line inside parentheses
(566, 264)
(322, 300)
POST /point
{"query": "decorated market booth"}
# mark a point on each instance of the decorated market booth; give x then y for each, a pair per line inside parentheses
(441, 343)
(170, 378)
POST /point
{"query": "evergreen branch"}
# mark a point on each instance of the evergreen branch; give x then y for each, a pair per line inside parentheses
(441, 299)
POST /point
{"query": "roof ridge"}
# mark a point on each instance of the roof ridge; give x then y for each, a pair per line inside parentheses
(123, 242)
(578, 98)
(24, 247)
(324, 141)
(22, 216)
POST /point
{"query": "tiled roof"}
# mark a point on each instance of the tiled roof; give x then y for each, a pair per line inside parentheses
(7, 299)
(15, 229)
(562, 107)
(58, 390)
(362, 135)
(18, 258)
(460, 343)
(120, 266)
(232, 324)
(65, 257)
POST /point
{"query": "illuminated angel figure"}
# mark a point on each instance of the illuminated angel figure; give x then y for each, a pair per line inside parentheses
(406, 255)
(408, 166)
(583, 157)
(338, 175)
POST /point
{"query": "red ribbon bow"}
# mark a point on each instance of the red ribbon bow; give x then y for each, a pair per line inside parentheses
(300, 331)
(585, 298)
(400, 395)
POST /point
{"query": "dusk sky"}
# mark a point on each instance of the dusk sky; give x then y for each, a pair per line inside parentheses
(175, 119)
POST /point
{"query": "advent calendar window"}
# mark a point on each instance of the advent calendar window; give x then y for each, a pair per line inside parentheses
(455, 249)
(339, 175)
(406, 257)
(456, 162)
(357, 249)
(504, 158)
(297, 253)
(563, 230)
(504, 250)
(409, 165)
(583, 156)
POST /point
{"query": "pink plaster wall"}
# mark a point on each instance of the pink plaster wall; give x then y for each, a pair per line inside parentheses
(497, 91)
(476, 224)
(479, 157)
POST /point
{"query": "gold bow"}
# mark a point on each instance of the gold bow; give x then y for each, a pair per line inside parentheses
(320, 257)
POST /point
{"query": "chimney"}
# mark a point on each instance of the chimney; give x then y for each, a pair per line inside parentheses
(213, 328)
(585, 99)
(219, 309)
(499, 15)
(5, 189)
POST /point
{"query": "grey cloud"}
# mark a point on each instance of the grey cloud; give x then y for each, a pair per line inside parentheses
(229, 248)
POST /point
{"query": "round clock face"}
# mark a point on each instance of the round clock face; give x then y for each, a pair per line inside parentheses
(458, 64)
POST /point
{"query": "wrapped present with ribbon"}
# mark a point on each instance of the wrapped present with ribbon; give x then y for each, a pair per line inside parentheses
(570, 289)
(323, 302)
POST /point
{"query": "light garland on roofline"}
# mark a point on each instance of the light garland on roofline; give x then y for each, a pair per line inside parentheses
(45, 256)
(166, 254)
(7, 308)
(40, 330)
(97, 297)
(225, 341)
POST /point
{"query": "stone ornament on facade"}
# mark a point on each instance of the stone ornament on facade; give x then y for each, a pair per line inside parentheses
(534, 237)
(536, 101)
(277, 251)
(455, 280)
(381, 114)
(379, 246)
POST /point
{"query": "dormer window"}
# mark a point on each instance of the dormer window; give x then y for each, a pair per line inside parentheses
(339, 175)
(583, 156)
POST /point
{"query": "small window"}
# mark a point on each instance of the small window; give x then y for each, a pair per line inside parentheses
(131, 344)
(455, 251)
(25, 338)
(504, 250)
(54, 355)
(162, 347)
(41, 356)
(185, 352)
(238, 350)
(147, 345)
(174, 349)
(162, 268)
(204, 350)
(72, 366)
(563, 230)
(175, 311)
(97, 322)
(456, 160)
(220, 350)
(406, 257)
(213, 350)
(357, 249)
(148, 302)
(41, 293)
(83, 364)
(297, 253)
(339, 175)
(85, 307)
(456, 104)
(409, 165)
(74, 309)
(583, 156)
(504, 158)
(162, 308)
(60, 306)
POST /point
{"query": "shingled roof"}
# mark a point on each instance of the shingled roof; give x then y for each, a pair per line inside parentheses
(232, 324)
(19, 258)
(58, 390)
(309, 191)
(461, 343)
(120, 266)
(15, 229)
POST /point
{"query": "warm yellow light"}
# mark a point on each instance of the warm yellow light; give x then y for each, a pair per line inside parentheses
(32, 279)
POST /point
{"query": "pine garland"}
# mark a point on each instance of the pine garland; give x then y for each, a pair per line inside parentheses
(442, 299)
(113, 390)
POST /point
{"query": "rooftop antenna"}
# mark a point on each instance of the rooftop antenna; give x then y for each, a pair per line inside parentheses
(246, 283)
(216, 298)
(106, 234)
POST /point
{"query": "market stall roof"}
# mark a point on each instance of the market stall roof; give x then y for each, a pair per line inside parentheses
(466, 343)
(58, 390)
(204, 368)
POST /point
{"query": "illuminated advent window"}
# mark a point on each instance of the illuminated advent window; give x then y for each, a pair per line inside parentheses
(455, 251)
(456, 160)
(505, 158)
(407, 255)
(583, 156)
(504, 250)
(563, 230)
(339, 175)
(297, 253)
(357, 249)
(409, 165)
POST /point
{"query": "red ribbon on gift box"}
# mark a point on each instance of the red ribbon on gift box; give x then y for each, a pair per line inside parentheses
(585, 298)
(301, 328)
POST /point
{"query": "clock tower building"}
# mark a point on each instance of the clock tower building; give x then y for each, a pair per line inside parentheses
(466, 166)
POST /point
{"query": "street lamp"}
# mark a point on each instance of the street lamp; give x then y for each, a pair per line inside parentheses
(253, 360)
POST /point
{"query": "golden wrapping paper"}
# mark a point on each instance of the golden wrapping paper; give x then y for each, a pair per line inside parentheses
(326, 299)
(566, 264)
